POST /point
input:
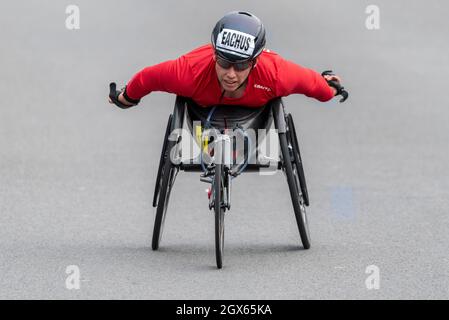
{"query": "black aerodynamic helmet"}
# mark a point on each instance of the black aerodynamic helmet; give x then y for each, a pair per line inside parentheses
(238, 36)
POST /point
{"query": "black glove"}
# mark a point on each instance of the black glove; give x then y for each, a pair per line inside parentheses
(114, 94)
(336, 85)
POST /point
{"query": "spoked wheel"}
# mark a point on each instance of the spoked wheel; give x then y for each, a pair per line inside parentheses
(219, 213)
(291, 171)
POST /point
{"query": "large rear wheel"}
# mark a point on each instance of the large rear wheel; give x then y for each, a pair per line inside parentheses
(168, 176)
(293, 141)
(162, 159)
(291, 172)
(167, 170)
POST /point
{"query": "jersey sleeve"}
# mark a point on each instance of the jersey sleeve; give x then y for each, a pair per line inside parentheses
(171, 76)
(293, 78)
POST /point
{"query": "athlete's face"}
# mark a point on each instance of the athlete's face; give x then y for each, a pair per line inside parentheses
(231, 76)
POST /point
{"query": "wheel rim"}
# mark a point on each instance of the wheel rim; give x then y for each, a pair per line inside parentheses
(302, 206)
(294, 146)
(297, 182)
(291, 172)
(160, 172)
(304, 217)
(221, 228)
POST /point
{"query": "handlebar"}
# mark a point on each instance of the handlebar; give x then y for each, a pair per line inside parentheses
(114, 94)
(336, 85)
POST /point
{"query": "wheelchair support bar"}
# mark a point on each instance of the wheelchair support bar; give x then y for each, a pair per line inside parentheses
(279, 116)
(197, 168)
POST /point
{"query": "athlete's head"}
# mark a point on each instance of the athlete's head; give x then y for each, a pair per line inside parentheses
(232, 75)
(238, 39)
(238, 36)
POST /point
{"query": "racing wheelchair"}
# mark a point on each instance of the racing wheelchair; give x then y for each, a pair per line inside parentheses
(217, 130)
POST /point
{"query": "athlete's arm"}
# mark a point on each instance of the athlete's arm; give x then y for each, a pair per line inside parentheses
(120, 98)
(334, 78)
(293, 78)
(172, 76)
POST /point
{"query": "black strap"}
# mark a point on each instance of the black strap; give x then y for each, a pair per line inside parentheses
(133, 101)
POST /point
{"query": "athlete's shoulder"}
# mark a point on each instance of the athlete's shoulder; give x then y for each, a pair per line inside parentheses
(270, 56)
(199, 58)
(199, 53)
(268, 64)
(269, 52)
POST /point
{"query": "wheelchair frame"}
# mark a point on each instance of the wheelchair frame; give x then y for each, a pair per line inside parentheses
(289, 162)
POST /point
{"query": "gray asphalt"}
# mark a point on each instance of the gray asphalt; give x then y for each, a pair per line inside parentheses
(77, 174)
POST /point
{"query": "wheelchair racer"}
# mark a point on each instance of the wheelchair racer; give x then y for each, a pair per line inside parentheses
(235, 69)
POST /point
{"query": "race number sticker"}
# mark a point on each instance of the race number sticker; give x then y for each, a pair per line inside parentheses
(235, 42)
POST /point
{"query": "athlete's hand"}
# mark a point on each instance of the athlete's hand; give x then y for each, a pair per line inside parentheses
(116, 97)
(334, 82)
(332, 77)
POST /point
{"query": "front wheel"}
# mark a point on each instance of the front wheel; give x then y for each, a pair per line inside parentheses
(219, 213)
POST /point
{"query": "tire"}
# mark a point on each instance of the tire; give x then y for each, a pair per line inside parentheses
(293, 139)
(167, 175)
(291, 172)
(219, 214)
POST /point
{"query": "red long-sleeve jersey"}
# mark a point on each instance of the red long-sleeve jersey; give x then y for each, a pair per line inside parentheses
(193, 75)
